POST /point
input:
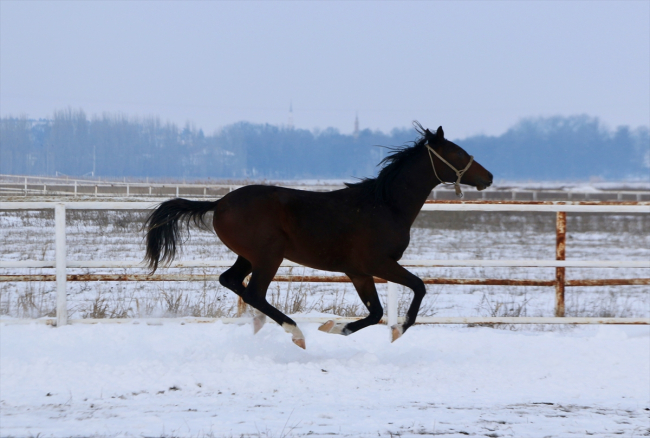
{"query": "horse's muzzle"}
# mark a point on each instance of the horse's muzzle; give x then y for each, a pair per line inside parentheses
(485, 182)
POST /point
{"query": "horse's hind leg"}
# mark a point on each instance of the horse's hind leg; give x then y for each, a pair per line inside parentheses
(365, 286)
(255, 295)
(233, 279)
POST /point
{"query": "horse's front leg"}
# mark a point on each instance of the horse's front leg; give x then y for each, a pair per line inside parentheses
(396, 273)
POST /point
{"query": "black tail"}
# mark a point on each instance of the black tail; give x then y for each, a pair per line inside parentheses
(165, 225)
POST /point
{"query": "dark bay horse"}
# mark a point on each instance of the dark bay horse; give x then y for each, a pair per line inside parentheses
(361, 230)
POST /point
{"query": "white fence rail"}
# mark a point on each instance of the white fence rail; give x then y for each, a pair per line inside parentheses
(287, 264)
(548, 207)
(26, 185)
(61, 264)
(12, 185)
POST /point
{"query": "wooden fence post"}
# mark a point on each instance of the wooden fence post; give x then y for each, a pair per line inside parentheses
(241, 305)
(560, 254)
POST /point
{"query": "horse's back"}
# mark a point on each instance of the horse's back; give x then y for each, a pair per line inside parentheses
(333, 231)
(260, 219)
(258, 206)
(255, 198)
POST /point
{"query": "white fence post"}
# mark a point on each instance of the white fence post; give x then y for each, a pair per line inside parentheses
(60, 248)
(391, 306)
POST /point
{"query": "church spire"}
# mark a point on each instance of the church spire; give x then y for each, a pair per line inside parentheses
(290, 124)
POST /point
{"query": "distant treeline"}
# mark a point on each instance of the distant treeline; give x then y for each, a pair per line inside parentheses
(558, 148)
(564, 148)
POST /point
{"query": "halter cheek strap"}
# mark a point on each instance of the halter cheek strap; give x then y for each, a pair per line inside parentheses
(459, 173)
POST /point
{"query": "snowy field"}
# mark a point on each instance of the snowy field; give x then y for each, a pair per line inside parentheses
(216, 380)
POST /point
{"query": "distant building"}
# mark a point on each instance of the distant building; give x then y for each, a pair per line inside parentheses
(356, 126)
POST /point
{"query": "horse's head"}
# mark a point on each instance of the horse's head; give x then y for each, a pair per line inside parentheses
(451, 164)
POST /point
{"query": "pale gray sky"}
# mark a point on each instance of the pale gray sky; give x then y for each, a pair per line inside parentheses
(473, 67)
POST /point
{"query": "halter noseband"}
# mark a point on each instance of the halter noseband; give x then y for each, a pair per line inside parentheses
(459, 173)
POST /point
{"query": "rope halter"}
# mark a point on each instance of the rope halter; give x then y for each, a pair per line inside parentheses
(459, 173)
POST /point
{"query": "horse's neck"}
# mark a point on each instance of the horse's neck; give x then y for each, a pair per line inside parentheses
(411, 188)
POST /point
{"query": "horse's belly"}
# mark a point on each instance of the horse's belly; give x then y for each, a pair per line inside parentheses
(339, 254)
(322, 261)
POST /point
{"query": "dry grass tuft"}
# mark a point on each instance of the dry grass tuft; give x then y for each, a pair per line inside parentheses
(104, 306)
(35, 300)
(294, 300)
(340, 307)
(602, 305)
(513, 306)
(428, 307)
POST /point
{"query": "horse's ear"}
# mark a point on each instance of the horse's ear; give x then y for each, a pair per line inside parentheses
(440, 133)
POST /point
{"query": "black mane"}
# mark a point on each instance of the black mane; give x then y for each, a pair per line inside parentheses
(378, 188)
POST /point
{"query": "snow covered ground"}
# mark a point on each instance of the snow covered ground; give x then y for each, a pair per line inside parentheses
(216, 380)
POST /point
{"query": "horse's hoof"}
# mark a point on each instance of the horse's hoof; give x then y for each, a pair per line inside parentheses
(258, 322)
(300, 342)
(336, 328)
(396, 332)
(296, 335)
(327, 326)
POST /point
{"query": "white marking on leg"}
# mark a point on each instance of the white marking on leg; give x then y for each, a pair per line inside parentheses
(396, 332)
(337, 328)
(296, 335)
(258, 321)
(294, 330)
